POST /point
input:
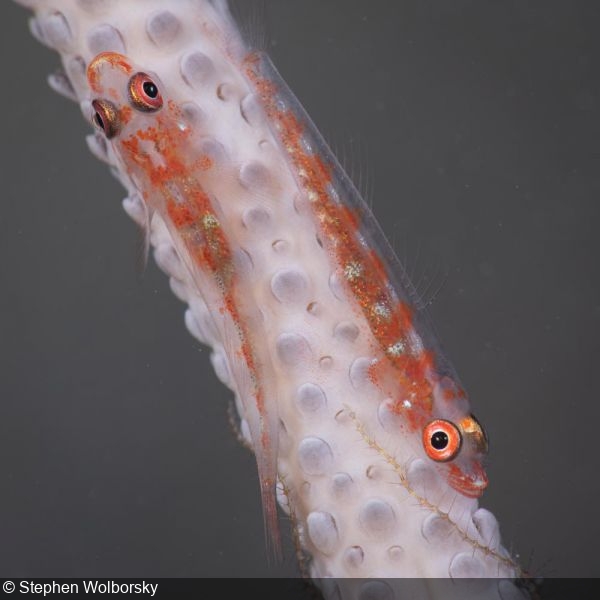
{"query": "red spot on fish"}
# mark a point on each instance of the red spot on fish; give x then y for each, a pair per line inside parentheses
(204, 162)
(125, 114)
(448, 394)
(471, 483)
(181, 215)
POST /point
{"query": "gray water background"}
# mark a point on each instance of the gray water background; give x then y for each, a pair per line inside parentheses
(476, 124)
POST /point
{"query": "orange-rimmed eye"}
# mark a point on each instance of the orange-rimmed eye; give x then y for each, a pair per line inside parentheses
(441, 440)
(475, 433)
(106, 118)
(144, 93)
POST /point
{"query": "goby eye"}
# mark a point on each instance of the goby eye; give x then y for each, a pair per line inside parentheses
(144, 93)
(106, 118)
(474, 432)
(442, 440)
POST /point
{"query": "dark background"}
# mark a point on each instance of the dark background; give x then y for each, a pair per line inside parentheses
(476, 124)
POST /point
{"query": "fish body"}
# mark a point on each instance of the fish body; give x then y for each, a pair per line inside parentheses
(358, 423)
